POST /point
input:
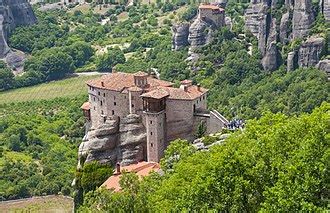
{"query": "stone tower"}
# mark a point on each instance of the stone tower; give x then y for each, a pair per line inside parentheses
(155, 113)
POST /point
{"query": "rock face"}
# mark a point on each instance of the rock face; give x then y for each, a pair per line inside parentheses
(13, 13)
(199, 33)
(310, 52)
(271, 60)
(292, 61)
(260, 23)
(180, 34)
(115, 141)
(325, 66)
(302, 19)
(294, 23)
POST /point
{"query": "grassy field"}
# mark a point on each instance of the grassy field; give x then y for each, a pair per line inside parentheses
(69, 87)
(47, 204)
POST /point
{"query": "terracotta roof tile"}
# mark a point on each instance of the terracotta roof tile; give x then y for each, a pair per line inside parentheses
(86, 106)
(210, 6)
(119, 81)
(158, 93)
(191, 93)
(140, 73)
(141, 169)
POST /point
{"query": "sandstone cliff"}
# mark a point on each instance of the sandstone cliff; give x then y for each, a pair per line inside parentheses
(13, 13)
(115, 141)
(294, 22)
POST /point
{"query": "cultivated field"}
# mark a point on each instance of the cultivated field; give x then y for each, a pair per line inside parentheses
(47, 204)
(69, 87)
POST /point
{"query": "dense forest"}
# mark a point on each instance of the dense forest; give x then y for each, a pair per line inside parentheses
(278, 163)
(38, 147)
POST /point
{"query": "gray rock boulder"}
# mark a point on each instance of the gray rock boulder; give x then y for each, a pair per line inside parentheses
(303, 18)
(114, 141)
(271, 60)
(310, 52)
(284, 28)
(180, 34)
(198, 33)
(325, 66)
(292, 61)
(13, 13)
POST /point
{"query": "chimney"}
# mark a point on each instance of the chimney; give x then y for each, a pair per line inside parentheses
(102, 83)
(118, 168)
(199, 87)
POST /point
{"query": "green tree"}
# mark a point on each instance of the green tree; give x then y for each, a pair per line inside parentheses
(6, 79)
(94, 174)
(108, 60)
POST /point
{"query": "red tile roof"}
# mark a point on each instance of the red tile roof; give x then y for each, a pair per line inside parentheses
(86, 106)
(158, 93)
(156, 88)
(186, 81)
(141, 169)
(191, 93)
(140, 73)
(119, 81)
(210, 6)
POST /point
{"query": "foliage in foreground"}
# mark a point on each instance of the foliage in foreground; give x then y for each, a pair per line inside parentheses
(278, 163)
(38, 147)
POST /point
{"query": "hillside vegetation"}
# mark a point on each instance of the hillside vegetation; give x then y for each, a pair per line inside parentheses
(38, 146)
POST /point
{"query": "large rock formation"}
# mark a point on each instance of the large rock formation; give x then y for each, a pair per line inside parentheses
(325, 66)
(180, 35)
(310, 52)
(302, 19)
(294, 23)
(115, 141)
(13, 13)
(199, 33)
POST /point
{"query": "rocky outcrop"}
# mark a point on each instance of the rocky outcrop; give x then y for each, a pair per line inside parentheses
(114, 141)
(292, 61)
(325, 66)
(310, 52)
(271, 60)
(13, 13)
(284, 28)
(302, 19)
(294, 23)
(199, 33)
(325, 9)
(180, 34)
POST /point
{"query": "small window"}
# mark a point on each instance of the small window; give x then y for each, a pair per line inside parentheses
(200, 98)
(150, 122)
(94, 108)
(150, 133)
(99, 93)
(114, 97)
(152, 145)
(94, 98)
(133, 105)
(114, 103)
(103, 94)
(113, 112)
(101, 103)
(203, 97)
(104, 119)
(101, 112)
